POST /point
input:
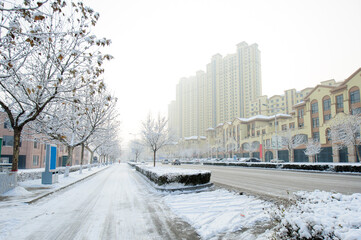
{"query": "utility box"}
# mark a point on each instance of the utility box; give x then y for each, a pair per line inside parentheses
(50, 175)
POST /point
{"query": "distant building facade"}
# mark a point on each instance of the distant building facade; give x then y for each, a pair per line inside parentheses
(220, 94)
(32, 149)
(310, 117)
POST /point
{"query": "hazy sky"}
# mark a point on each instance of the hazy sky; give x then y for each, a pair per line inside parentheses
(157, 42)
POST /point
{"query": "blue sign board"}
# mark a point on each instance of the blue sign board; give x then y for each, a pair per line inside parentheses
(52, 157)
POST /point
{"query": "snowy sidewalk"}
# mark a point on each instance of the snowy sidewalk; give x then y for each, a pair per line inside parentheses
(31, 190)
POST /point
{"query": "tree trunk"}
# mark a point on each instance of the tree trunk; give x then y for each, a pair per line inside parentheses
(70, 156)
(82, 154)
(16, 149)
(91, 157)
(69, 161)
(290, 155)
(81, 158)
(357, 153)
(154, 154)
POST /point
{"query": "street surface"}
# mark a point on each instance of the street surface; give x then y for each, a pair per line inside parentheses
(116, 203)
(279, 183)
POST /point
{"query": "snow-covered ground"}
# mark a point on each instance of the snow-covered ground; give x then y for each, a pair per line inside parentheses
(119, 203)
(330, 215)
(30, 189)
(221, 214)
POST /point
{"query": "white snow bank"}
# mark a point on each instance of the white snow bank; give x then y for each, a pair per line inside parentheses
(315, 215)
(217, 212)
(17, 191)
(321, 214)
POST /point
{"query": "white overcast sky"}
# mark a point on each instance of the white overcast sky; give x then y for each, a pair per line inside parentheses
(157, 42)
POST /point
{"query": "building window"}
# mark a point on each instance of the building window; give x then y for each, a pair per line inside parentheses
(328, 135)
(284, 127)
(326, 104)
(7, 124)
(339, 102)
(327, 117)
(300, 125)
(268, 143)
(35, 160)
(292, 125)
(356, 111)
(263, 131)
(316, 136)
(300, 113)
(315, 122)
(8, 141)
(314, 108)
(355, 96)
(35, 143)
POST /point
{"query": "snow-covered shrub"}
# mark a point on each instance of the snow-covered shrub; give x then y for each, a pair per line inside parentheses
(163, 176)
(320, 215)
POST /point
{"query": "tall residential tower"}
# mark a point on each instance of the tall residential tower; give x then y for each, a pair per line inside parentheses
(219, 94)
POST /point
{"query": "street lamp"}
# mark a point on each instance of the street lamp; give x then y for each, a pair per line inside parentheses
(276, 134)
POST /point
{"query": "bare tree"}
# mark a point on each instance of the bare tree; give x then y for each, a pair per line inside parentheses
(137, 148)
(313, 148)
(345, 132)
(291, 140)
(46, 50)
(155, 133)
(72, 123)
(251, 148)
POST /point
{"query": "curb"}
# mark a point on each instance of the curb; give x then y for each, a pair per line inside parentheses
(59, 189)
(198, 187)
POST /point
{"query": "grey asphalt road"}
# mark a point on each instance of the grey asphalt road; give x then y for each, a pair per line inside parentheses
(279, 183)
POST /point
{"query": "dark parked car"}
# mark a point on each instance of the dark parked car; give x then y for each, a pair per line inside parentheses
(253, 159)
(176, 162)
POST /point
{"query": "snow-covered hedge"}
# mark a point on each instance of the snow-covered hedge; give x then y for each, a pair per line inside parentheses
(162, 175)
(31, 174)
(333, 167)
(320, 215)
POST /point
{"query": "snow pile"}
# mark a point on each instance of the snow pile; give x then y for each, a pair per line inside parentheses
(17, 191)
(321, 215)
(218, 212)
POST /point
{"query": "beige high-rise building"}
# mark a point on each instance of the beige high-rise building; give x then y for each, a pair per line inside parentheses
(219, 94)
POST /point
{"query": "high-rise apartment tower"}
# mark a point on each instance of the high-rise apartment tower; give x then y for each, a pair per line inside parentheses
(219, 94)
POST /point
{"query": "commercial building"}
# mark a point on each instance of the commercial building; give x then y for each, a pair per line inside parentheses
(310, 117)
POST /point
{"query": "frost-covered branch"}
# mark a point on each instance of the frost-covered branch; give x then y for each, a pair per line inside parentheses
(313, 148)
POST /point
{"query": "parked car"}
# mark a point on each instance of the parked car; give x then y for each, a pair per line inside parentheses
(165, 161)
(277, 161)
(176, 162)
(251, 159)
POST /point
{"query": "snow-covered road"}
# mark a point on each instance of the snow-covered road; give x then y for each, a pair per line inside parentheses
(116, 203)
